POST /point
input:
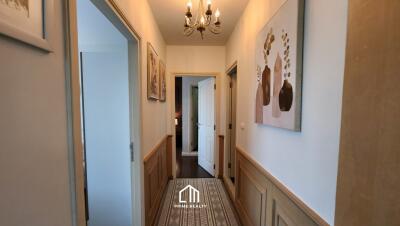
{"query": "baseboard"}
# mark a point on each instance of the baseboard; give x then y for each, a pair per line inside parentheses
(189, 154)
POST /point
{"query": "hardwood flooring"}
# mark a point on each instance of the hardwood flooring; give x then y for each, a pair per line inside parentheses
(187, 167)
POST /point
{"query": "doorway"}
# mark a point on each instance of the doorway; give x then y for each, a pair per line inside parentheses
(231, 134)
(195, 126)
(105, 90)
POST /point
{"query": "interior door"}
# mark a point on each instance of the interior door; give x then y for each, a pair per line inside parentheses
(105, 87)
(206, 124)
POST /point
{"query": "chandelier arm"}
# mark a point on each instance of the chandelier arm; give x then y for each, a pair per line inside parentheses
(214, 29)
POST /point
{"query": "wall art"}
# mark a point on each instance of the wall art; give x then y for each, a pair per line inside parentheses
(29, 21)
(153, 88)
(163, 82)
(279, 52)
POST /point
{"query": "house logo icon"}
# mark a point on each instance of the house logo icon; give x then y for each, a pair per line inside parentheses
(194, 195)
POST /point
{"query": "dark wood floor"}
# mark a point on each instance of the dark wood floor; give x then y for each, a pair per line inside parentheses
(187, 167)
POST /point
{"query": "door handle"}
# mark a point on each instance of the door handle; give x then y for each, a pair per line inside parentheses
(131, 147)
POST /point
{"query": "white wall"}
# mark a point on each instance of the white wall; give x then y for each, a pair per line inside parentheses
(305, 162)
(154, 115)
(95, 32)
(107, 133)
(187, 83)
(34, 178)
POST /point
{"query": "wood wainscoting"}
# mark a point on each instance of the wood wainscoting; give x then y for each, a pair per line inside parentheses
(262, 200)
(157, 169)
(221, 149)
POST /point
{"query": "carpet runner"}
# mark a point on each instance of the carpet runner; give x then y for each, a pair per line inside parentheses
(197, 202)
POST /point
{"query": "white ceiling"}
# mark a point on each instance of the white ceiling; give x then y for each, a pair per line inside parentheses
(170, 16)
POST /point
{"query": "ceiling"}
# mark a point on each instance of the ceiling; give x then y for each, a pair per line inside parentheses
(170, 17)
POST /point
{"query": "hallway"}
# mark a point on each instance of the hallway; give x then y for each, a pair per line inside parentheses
(199, 112)
(213, 208)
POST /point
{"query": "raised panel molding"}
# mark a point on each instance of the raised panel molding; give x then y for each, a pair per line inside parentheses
(156, 174)
(261, 200)
(251, 195)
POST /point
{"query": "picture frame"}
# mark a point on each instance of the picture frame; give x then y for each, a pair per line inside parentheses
(163, 82)
(279, 68)
(153, 84)
(28, 21)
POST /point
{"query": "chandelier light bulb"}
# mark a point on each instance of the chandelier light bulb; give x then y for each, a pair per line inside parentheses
(209, 2)
(202, 20)
(189, 4)
(217, 13)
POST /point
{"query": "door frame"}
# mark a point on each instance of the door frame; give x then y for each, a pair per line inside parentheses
(73, 95)
(191, 137)
(226, 176)
(217, 111)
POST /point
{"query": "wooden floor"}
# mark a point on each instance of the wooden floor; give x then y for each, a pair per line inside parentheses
(187, 167)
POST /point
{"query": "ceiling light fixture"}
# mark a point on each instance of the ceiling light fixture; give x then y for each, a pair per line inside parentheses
(203, 20)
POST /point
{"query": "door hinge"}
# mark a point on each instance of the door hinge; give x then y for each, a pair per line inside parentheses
(132, 152)
(215, 127)
(215, 86)
(214, 166)
(230, 85)
(230, 125)
(229, 165)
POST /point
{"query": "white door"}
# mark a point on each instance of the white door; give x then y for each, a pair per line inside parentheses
(105, 83)
(207, 124)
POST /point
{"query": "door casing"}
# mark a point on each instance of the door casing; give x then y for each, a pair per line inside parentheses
(171, 124)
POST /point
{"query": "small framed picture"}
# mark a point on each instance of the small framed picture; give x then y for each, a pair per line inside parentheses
(28, 21)
(153, 87)
(163, 82)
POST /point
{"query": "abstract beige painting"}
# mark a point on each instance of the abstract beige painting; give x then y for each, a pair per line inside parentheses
(279, 50)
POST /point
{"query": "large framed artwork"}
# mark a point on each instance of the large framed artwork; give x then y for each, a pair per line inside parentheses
(163, 82)
(29, 21)
(279, 51)
(153, 89)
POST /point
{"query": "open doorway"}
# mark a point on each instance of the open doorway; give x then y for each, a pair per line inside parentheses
(108, 94)
(195, 126)
(231, 134)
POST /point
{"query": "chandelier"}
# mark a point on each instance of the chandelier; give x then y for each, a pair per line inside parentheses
(202, 21)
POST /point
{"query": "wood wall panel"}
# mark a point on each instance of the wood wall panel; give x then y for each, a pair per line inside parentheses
(221, 149)
(261, 200)
(368, 185)
(169, 157)
(155, 179)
